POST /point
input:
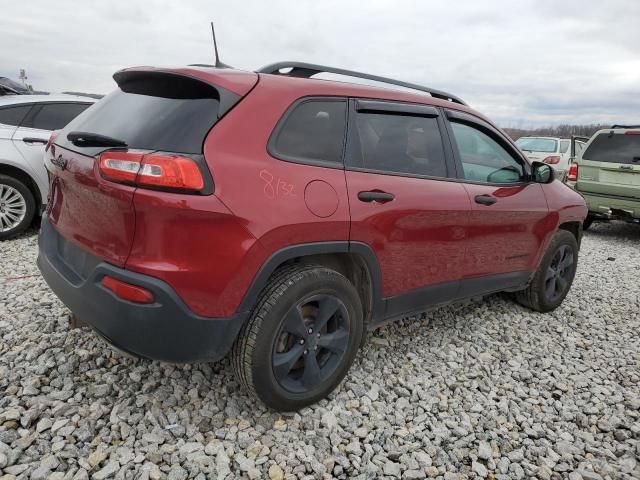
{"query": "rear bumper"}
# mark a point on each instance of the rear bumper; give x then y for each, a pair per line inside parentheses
(612, 207)
(164, 330)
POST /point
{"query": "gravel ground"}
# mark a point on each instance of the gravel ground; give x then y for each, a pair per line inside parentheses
(484, 390)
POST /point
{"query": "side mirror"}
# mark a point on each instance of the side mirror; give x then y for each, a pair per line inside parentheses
(542, 173)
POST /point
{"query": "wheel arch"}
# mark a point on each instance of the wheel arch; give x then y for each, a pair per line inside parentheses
(354, 260)
(24, 177)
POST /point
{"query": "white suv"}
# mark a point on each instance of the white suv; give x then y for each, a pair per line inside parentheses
(551, 150)
(26, 122)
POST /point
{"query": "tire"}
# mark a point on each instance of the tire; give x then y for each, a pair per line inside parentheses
(587, 222)
(270, 361)
(17, 207)
(544, 293)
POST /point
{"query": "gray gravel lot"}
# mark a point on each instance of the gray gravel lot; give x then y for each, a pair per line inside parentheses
(484, 390)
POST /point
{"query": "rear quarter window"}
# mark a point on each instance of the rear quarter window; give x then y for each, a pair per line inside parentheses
(311, 132)
(614, 148)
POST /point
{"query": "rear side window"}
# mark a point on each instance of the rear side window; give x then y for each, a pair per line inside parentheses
(399, 144)
(312, 132)
(54, 116)
(614, 148)
(13, 115)
(152, 112)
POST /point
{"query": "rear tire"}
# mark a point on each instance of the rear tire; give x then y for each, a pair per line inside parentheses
(588, 221)
(17, 207)
(552, 281)
(301, 338)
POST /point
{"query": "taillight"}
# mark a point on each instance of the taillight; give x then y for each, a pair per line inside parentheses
(165, 171)
(126, 291)
(632, 132)
(572, 174)
(552, 160)
(52, 138)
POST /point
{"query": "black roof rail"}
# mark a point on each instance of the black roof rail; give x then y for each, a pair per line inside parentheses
(625, 126)
(307, 70)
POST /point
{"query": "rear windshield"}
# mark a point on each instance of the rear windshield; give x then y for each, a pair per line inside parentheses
(168, 114)
(614, 148)
(547, 145)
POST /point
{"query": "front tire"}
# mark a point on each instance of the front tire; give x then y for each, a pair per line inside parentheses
(301, 338)
(554, 276)
(588, 221)
(17, 207)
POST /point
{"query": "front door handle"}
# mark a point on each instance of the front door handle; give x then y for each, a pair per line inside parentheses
(375, 196)
(485, 199)
(34, 140)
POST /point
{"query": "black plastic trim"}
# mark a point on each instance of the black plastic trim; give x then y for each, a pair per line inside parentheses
(413, 109)
(271, 143)
(307, 70)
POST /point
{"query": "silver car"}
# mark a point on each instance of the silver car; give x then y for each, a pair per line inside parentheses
(26, 122)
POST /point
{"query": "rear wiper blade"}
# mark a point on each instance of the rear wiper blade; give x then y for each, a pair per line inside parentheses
(88, 139)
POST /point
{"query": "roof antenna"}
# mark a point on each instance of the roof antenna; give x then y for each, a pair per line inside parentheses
(218, 64)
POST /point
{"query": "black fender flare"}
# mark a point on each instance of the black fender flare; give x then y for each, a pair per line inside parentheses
(317, 248)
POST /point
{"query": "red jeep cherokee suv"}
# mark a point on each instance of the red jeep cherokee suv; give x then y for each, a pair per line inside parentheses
(200, 211)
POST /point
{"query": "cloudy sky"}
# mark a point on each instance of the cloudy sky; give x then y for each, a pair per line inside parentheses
(523, 63)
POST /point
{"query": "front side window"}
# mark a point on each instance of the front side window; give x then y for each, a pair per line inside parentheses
(483, 159)
(399, 144)
(13, 115)
(313, 132)
(54, 116)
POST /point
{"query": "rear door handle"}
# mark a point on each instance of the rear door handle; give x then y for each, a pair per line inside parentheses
(34, 140)
(375, 196)
(485, 199)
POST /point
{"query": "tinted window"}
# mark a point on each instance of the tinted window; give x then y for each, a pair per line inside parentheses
(399, 144)
(313, 131)
(616, 148)
(13, 115)
(152, 122)
(54, 116)
(483, 159)
(531, 144)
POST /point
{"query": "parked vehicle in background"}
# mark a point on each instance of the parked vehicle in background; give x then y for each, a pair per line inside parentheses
(607, 174)
(200, 211)
(551, 150)
(26, 122)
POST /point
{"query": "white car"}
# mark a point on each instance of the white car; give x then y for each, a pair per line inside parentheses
(26, 122)
(554, 151)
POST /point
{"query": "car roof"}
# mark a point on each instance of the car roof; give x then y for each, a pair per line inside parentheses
(238, 81)
(56, 97)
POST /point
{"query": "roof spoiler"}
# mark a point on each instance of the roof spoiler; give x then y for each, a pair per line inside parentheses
(307, 70)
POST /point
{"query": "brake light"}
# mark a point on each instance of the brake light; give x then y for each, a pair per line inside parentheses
(165, 171)
(632, 132)
(52, 138)
(126, 291)
(552, 160)
(572, 174)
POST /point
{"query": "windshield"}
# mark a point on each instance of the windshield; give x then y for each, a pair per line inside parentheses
(614, 148)
(531, 144)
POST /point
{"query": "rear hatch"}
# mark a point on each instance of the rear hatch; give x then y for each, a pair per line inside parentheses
(161, 113)
(537, 149)
(610, 165)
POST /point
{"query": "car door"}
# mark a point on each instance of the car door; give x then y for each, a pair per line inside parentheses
(10, 118)
(34, 131)
(509, 217)
(403, 203)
